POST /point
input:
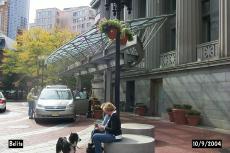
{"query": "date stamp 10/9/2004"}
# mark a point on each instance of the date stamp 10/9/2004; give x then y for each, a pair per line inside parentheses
(206, 143)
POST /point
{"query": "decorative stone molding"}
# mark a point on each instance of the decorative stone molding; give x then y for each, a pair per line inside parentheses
(208, 51)
(168, 59)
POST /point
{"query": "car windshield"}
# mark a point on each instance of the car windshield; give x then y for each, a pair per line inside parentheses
(1, 95)
(56, 94)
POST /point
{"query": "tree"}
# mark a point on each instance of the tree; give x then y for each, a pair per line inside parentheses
(31, 45)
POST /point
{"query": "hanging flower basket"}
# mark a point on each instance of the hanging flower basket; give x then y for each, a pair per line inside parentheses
(110, 28)
(126, 35)
(112, 33)
(123, 40)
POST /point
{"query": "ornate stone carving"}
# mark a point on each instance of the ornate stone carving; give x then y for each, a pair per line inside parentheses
(208, 51)
(168, 59)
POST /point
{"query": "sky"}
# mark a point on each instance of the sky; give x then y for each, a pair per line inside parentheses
(60, 4)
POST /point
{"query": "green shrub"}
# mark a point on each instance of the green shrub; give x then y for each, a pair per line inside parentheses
(127, 32)
(187, 107)
(178, 106)
(194, 112)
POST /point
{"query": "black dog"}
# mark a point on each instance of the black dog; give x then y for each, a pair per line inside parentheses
(74, 139)
(67, 147)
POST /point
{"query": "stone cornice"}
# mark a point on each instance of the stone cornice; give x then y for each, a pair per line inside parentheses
(177, 68)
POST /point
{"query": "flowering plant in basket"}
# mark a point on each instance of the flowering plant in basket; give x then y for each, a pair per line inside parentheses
(110, 27)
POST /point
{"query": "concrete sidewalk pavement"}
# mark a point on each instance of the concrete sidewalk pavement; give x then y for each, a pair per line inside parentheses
(50, 146)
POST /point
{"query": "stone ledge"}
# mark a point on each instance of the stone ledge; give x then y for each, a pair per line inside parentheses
(131, 144)
(138, 129)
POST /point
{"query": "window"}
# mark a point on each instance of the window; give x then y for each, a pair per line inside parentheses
(75, 13)
(83, 25)
(173, 39)
(206, 24)
(88, 24)
(142, 8)
(74, 20)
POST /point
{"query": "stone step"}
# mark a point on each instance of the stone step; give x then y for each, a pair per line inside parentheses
(131, 144)
(138, 129)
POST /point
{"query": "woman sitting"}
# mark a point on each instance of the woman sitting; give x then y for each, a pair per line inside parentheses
(104, 122)
(112, 130)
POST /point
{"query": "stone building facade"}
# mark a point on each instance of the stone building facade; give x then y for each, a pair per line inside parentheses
(75, 19)
(3, 17)
(47, 18)
(187, 62)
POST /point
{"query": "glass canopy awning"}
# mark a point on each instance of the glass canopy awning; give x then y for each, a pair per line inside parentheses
(93, 41)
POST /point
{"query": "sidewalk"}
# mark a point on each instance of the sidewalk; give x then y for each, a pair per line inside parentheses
(172, 138)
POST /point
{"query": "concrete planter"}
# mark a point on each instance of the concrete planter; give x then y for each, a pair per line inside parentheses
(179, 116)
(171, 117)
(193, 120)
(140, 110)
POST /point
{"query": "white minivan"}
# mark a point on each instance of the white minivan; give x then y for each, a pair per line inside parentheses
(55, 102)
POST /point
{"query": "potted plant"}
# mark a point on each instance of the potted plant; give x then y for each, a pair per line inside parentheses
(126, 35)
(171, 118)
(193, 117)
(110, 28)
(187, 107)
(97, 112)
(179, 114)
(140, 109)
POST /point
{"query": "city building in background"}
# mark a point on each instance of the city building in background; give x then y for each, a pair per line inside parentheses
(75, 19)
(18, 16)
(4, 17)
(47, 18)
(78, 19)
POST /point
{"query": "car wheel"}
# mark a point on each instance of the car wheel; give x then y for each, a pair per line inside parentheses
(37, 120)
(4, 109)
(73, 119)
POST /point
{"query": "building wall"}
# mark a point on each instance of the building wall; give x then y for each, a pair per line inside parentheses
(205, 89)
(18, 16)
(47, 18)
(78, 19)
(4, 17)
(142, 91)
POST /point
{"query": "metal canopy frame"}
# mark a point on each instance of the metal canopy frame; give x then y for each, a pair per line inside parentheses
(93, 41)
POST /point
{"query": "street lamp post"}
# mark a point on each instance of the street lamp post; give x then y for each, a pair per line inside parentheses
(118, 5)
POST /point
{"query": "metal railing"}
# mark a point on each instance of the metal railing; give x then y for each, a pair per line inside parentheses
(208, 51)
(168, 59)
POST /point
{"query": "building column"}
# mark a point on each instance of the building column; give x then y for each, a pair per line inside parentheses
(224, 30)
(157, 44)
(188, 21)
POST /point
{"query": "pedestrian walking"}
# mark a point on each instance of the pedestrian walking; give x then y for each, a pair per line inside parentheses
(31, 98)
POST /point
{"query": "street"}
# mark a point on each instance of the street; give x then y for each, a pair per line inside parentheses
(42, 137)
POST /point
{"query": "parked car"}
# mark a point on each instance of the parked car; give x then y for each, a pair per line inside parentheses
(55, 102)
(2, 103)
